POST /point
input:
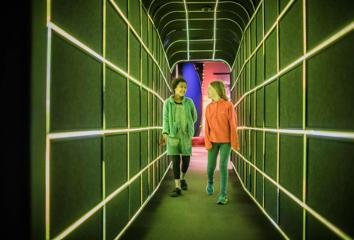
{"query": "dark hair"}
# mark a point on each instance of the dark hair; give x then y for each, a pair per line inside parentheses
(176, 81)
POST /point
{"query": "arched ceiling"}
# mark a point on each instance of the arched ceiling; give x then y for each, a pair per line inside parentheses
(206, 29)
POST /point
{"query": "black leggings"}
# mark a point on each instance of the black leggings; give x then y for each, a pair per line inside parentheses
(176, 165)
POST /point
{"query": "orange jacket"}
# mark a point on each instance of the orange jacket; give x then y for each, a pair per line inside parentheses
(220, 124)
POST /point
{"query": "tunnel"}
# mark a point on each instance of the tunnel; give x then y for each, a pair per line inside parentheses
(99, 72)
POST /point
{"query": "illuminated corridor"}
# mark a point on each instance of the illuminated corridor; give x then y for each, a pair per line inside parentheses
(91, 166)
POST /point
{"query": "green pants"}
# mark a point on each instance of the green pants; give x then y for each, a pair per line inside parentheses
(225, 150)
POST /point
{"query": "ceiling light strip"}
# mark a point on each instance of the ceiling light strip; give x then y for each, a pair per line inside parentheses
(214, 34)
(187, 27)
(73, 40)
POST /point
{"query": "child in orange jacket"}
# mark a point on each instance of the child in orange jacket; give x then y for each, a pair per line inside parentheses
(220, 135)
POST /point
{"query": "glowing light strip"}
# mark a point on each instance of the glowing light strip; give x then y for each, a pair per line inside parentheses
(264, 36)
(47, 142)
(249, 22)
(259, 206)
(73, 40)
(140, 40)
(162, 6)
(145, 203)
(304, 101)
(194, 51)
(314, 51)
(309, 132)
(158, 34)
(215, 9)
(200, 60)
(103, 153)
(87, 215)
(200, 19)
(191, 40)
(318, 216)
(187, 27)
(97, 132)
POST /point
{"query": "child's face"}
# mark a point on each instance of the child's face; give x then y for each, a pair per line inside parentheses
(212, 92)
(181, 89)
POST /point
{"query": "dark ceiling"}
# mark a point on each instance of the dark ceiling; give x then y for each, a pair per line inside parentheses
(180, 22)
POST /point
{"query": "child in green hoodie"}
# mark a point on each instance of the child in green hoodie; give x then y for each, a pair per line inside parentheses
(179, 116)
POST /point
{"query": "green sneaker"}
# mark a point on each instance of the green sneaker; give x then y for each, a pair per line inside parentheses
(222, 199)
(209, 189)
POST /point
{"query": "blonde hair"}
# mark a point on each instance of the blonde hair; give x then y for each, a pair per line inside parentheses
(219, 87)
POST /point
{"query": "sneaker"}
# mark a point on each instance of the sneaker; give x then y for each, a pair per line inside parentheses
(176, 193)
(222, 199)
(184, 184)
(209, 189)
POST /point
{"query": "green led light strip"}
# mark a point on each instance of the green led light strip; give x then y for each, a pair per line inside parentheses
(308, 132)
(103, 168)
(232, 2)
(264, 36)
(304, 109)
(194, 51)
(140, 40)
(214, 33)
(315, 214)
(63, 135)
(82, 46)
(88, 214)
(308, 55)
(201, 60)
(187, 27)
(197, 40)
(198, 11)
(143, 205)
(260, 206)
(47, 130)
(200, 19)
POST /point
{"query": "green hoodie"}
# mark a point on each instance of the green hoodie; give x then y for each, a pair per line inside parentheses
(169, 126)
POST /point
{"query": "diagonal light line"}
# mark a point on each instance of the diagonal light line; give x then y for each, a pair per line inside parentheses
(332, 39)
(215, 9)
(62, 135)
(308, 132)
(88, 214)
(318, 216)
(187, 27)
(99, 57)
(119, 11)
(143, 205)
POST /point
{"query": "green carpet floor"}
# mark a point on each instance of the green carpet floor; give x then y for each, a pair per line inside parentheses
(195, 215)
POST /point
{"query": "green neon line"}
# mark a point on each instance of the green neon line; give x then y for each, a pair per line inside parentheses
(215, 9)
(259, 206)
(140, 40)
(315, 214)
(47, 148)
(314, 51)
(88, 214)
(304, 157)
(99, 57)
(187, 27)
(143, 205)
